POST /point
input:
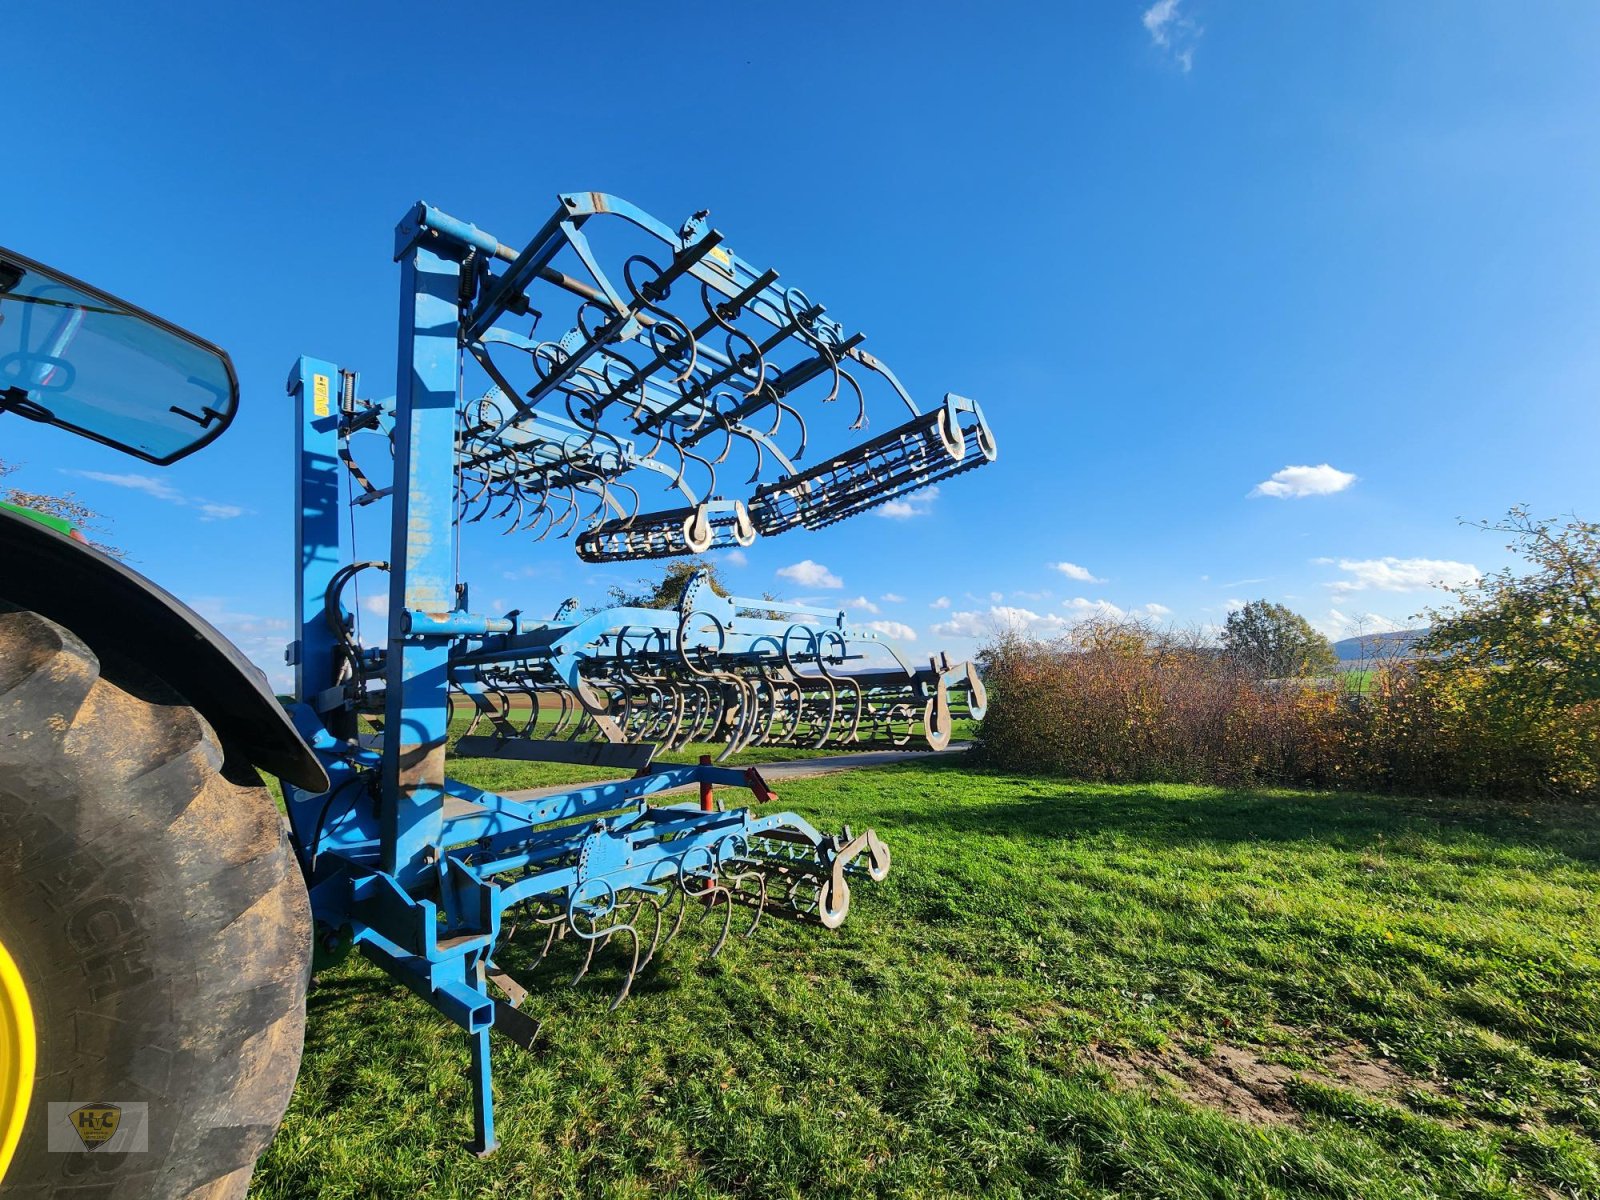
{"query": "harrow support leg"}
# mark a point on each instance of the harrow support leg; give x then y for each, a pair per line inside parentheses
(484, 1143)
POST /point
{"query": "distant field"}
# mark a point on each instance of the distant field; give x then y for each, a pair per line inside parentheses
(1061, 990)
(1357, 680)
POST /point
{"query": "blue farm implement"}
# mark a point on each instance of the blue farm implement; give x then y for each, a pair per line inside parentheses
(640, 389)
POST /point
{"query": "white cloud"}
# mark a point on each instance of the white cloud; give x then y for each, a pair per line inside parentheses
(996, 597)
(160, 489)
(1402, 574)
(893, 630)
(377, 604)
(860, 602)
(1172, 31)
(810, 574)
(1074, 571)
(1158, 16)
(736, 558)
(1234, 605)
(892, 598)
(983, 623)
(918, 504)
(148, 484)
(999, 618)
(1292, 483)
(1084, 609)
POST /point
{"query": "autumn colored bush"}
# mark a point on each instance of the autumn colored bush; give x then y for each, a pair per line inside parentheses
(1118, 701)
(1503, 698)
(1123, 703)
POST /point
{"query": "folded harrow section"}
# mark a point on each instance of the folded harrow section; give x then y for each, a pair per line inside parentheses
(740, 672)
(625, 359)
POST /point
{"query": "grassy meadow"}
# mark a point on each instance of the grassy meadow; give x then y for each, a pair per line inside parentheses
(1062, 989)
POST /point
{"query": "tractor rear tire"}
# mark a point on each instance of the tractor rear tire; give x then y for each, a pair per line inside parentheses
(158, 921)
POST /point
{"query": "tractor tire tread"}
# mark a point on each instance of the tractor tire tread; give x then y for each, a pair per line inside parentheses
(186, 988)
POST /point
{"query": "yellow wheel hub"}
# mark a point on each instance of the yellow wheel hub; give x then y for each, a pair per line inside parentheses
(17, 1041)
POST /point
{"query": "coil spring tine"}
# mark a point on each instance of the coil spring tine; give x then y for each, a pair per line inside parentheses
(711, 471)
(906, 715)
(558, 521)
(570, 518)
(655, 936)
(566, 700)
(737, 883)
(800, 450)
(707, 710)
(591, 938)
(527, 524)
(547, 510)
(481, 493)
(728, 433)
(798, 701)
(525, 687)
(860, 422)
(739, 736)
(488, 495)
(633, 969)
(683, 908)
(711, 895)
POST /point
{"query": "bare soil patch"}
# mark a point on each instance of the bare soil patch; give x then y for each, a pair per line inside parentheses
(1238, 1081)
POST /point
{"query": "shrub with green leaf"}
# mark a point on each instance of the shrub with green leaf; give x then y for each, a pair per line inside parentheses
(1504, 700)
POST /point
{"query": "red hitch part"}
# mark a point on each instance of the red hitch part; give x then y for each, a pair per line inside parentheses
(758, 786)
(708, 802)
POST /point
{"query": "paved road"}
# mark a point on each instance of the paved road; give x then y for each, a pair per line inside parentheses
(777, 773)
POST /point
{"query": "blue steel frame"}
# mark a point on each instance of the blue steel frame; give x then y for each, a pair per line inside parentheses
(413, 868)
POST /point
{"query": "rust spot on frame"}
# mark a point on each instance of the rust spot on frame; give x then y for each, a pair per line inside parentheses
(421, 766)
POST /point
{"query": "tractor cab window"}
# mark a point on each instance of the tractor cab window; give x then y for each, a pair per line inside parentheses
(73, 356)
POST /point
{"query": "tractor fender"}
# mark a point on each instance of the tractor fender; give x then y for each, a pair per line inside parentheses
(124, 617)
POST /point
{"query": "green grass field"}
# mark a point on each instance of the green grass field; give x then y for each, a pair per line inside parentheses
(1062, 990)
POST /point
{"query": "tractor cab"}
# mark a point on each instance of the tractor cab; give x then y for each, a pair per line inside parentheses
(78, 358)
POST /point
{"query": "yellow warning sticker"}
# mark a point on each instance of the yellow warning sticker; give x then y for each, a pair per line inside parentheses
(319, 395)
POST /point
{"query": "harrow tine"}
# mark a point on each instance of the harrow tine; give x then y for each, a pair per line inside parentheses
(595, 936)
(633, 970)
(715, 891)
(759, 903)
(655, 936)
(682, 900)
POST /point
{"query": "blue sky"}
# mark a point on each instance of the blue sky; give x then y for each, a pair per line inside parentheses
(1259, 299)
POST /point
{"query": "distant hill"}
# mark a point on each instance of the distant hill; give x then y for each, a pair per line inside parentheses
(1369, 646)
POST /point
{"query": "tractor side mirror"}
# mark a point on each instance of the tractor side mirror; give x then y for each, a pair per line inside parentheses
(80, 359)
